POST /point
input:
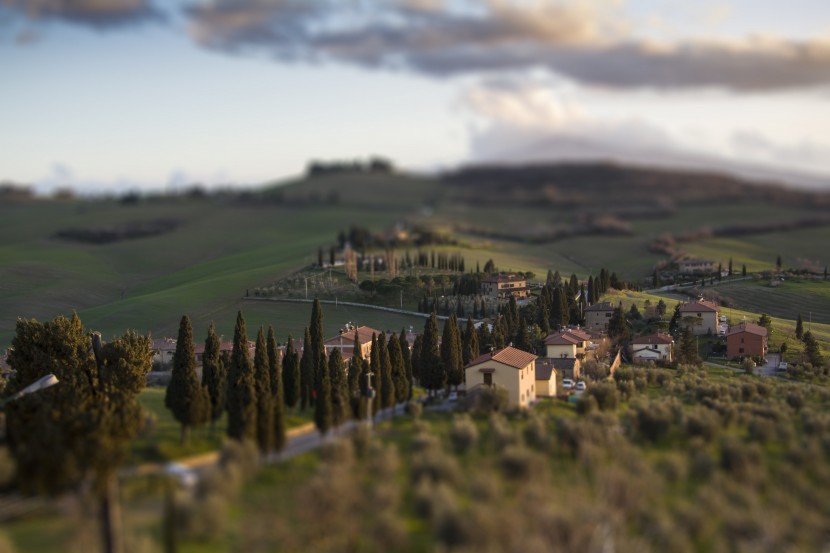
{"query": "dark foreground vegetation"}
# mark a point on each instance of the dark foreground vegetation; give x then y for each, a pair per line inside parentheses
(664, 461)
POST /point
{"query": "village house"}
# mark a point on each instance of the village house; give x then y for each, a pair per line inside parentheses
(696, 266)
(704, 314)
(165, 348)
(562, 367)
(570, 343)
(598, 315)
(504, 286)
(654, 347)
(746, 340)
(510, 368)
(345, 341)
(545, 379)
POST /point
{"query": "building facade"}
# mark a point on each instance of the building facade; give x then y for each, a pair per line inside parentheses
(509, 368)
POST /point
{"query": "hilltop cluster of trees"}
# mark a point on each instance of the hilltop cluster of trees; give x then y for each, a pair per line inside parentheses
(378, 165)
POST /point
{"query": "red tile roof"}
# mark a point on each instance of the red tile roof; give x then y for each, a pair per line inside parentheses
(509, 356)
(504, 278)
(748, 328)
(653, 339)
(364, 334)
(567, 337)
(699, 306)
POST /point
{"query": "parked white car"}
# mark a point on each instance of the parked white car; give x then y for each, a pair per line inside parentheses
(568, 384)
(581, 386)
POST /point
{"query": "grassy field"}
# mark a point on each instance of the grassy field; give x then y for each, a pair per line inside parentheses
(225, 246)
(162, 443)
(783, 329)
(791, 298)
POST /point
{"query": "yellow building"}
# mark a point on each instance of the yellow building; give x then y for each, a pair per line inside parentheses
(511, 368)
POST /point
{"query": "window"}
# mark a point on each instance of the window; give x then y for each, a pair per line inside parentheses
(608, 315)
(488, 379)
(741, 350)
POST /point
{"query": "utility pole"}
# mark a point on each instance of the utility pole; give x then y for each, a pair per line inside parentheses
(370, 395)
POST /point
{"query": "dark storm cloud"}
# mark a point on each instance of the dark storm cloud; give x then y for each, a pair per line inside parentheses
(98, 14)
(588, 42)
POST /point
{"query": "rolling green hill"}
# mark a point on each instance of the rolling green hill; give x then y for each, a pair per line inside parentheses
(210, 249)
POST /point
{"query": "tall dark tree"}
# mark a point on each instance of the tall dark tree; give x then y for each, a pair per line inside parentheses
(80, 428)
(322, 404)
(277, 392)
(387, 383)
(377, 377)
(469, 343)
(340, 407)
(799, 327)
(778, 264)
(743, 270)
(306, 372)
(406, 357)
(264, 400)
(399, 378)
(687, 347)
(523, 339)
(655, 277)
(315, 331)
(186, 398)
(291, 374)
(674, 323)
(241, 391)
(214, 375)
(765, 321)
(451, 356)
(355, 376)
(415, 359)
(812, 350)
(661, 308)
(432, 374)
(618, 327)
(558, 309)
(729, 270)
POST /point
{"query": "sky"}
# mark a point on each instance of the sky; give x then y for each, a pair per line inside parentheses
(114, 95)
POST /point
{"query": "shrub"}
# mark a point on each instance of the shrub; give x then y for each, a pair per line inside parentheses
(414, 408)
(519, 463)
(535, 432)
(501, 433)
(586, 404)
(463, 434)
(606, 395)
(653, 420)
(702, 423)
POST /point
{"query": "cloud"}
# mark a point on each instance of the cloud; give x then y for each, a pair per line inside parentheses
(98, 14)
(590, 42)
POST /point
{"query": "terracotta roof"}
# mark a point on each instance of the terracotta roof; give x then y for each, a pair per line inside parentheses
(509, 356)
(504, 278)
(748, 328)
(653, 339)
(567, 336)
(364, 334)
(699, 306)
(602, 306)
(557, 363)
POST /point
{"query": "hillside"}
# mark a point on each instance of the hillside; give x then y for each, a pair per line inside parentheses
(142, 262)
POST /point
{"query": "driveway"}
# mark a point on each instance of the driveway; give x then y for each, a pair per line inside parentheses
(770, 369)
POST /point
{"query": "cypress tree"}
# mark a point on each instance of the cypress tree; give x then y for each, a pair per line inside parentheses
(186, 398)
(451, 359)
(291, 374)
(730, 267)
(387, 384)
(688, 347)
(618, 328)
(743, 270)
(406, 356)
(306, 371)
(592, 298)
(674, 323)
(469, 345)
(322, 404)
(399, 380)
(559, 309)
(316, 334)
(799, 327)
(415, 359)
(340, 407)
(812, 350)
(377, 381)
(214, 375)
(432, 373)
(241, 391)
(522, 339)
(264, 401)
(277, 393)
(355, 374)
